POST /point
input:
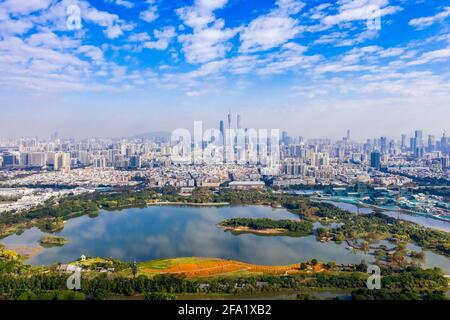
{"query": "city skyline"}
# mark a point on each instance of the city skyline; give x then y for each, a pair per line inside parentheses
(228, 150)
(312, 68)
(402, 139)
(234, 122)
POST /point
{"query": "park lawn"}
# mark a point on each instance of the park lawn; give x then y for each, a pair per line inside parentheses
(163, 264)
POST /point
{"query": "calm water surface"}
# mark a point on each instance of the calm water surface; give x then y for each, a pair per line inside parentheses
(163, 232)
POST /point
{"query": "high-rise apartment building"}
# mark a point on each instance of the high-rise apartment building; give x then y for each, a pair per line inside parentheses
(431, 143)
(375, 159)
(418, 139)
(59, 161)
(403, 143)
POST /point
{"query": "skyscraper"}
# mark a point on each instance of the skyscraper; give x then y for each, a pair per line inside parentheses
(135, 162)
(222, 132)
(418, 137)
(419, 152)
(383, 144)
(444, 143)
(238, 123)
(412, 144)
(229, 120)
(403, 142)
(375, 160)
(431, 143)
(284, 137)
(348, 134)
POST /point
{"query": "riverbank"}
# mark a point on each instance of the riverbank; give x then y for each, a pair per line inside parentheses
(243, 229)
(364, 228)
(191, 204)
(362, 204)
(211, 278)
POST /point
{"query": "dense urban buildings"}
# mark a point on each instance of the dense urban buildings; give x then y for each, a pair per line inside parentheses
(94, 163)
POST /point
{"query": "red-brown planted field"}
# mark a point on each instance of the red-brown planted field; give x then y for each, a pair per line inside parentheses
(206, 267)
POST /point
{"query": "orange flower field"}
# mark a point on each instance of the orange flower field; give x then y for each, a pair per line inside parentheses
(203, 267)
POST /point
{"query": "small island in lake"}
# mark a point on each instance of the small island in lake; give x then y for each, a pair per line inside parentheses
(53, 241)
(267, 226)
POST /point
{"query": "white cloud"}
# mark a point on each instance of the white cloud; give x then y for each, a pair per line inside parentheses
(14, 27)
(243, 64)
(29, 67)
(23, 7)
(3, 14)
(273, 29)
(164, 37)
(209, 39)
(345, 39)
(290, 58)
(207, 44)
(51, 40)
(290, 7)
(391, 52)
(55, 18)
(357, 10)
(193, 93)
(421, 23)
(95, 53)
(431, 56)
(331, 38)
(139, 37)
(201, 13)
(318, 12)
(267, 32)
(354, 60)
(149, 15)
(115, 27)
(49, 57)
(123, 3)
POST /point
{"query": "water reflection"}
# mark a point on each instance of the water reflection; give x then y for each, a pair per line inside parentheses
(164, 232)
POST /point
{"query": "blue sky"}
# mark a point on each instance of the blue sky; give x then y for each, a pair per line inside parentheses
(314, 68)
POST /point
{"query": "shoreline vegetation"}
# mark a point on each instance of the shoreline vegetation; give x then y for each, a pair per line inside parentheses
(267, 226)
(50, 217)
(380, 208)
(211, 278)
(190, 204)
(53, 241)
(243, 229)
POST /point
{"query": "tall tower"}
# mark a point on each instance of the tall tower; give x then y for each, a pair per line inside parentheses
(222, 131)
(348, 134)
(431, 143)
(238, 123)
(383, 144)
(403, 142)
(444, 143)
(229, 120)
(419, 140)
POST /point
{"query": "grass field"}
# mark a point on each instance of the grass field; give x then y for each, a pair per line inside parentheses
(210, 267)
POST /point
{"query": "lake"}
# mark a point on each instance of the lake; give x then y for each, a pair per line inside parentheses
(156, 232)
